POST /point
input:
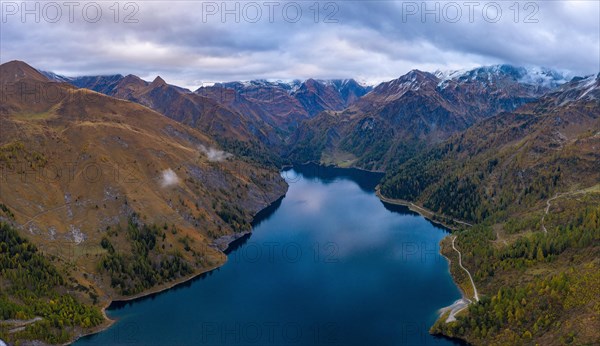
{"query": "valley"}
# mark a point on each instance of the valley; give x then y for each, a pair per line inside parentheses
(114, 187)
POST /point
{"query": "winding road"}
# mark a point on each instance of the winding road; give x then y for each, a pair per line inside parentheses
(18, 325)
(475, 294)
(428, 214)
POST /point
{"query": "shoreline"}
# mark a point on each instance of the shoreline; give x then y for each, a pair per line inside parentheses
(167, 286)
(284, 167)
(462, 303)
(456, 307)
(459, 304)
(426, 213)
(152, 291)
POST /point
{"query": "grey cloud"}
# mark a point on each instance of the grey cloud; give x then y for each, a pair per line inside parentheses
(373, 41)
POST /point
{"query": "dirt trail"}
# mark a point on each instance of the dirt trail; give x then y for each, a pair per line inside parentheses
(19, 325)
(573, 193)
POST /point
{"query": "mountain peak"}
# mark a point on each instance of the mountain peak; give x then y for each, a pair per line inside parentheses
(16, 70)
(131, 79)
(413, 80)
(311, 85)
(16, 64)
(158, 82)
(416, 75)
(415, 71)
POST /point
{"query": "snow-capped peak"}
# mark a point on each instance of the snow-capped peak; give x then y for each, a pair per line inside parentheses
(537, 76)
(544, 77)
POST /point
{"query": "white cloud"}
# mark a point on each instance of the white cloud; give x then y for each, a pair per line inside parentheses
(214, 155)
(169, 178)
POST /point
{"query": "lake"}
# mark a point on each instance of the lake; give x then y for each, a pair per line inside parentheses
(328, 264)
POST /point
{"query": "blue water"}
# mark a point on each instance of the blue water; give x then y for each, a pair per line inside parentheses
(329, 264)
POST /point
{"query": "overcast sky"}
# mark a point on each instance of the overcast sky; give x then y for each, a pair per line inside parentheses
(189, 43)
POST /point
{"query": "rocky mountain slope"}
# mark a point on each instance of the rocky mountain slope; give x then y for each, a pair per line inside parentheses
(286, 104)
(242, 133)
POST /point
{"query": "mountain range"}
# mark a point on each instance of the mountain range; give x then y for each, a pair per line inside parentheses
(399, 117)
(245, 118)
(337, 121)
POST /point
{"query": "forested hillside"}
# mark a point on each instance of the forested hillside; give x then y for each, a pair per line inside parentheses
(530, 181)
(34, 304)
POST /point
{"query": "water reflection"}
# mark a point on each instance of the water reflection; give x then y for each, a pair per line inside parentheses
(327, 264)
(366, 180)
(266, 212)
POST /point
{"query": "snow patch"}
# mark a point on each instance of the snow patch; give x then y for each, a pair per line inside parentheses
(76, 234)
(56, 77)
(589, 85)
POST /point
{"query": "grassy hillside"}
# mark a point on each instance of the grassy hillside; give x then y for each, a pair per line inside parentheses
(125, 200)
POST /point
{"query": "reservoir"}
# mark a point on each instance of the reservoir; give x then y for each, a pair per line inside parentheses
(328, 264)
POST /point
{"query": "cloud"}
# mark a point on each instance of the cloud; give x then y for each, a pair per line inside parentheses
(214, 155)
(169, 178)
(370, 40)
